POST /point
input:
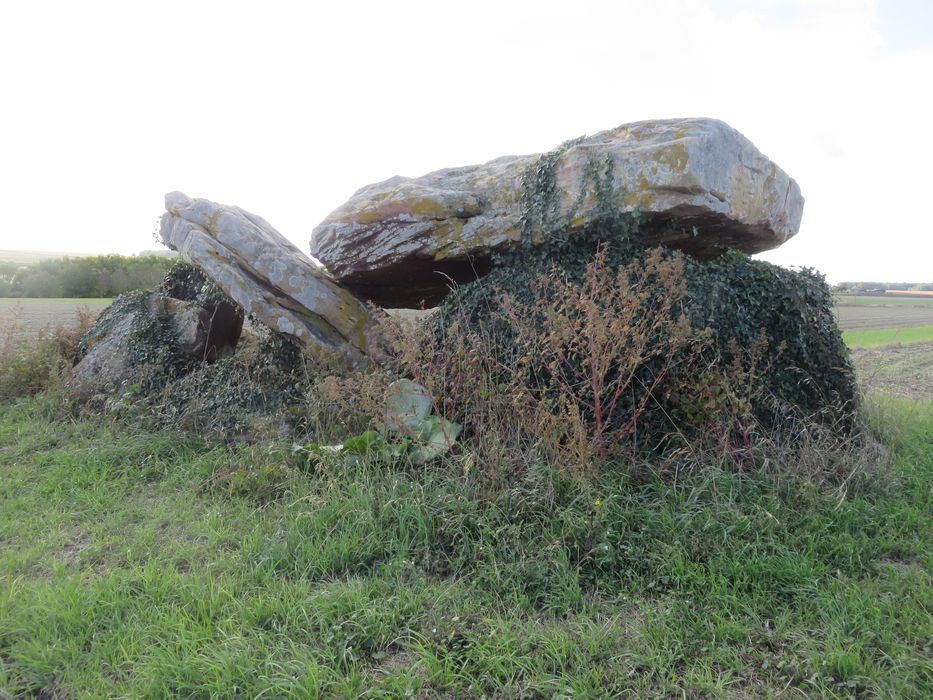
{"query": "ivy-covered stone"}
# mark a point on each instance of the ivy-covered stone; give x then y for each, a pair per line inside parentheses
(743, 303)
(159, 335)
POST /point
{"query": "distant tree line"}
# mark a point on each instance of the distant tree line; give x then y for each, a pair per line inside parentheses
(98, 276)
(862, 287)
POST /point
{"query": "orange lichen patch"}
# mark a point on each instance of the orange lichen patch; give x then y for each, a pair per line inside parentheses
(640, 199)
(429, 208)
(447, 233)
(387, 208)
(578, 221)
(418, 206)
(432, 207)
(673, 155)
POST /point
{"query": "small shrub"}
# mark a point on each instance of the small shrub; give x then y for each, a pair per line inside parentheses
(596, 356)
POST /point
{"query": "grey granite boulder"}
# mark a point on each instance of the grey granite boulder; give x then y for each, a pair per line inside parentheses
(701, 186)
(142, 328)
(106, 348)
(269, 277)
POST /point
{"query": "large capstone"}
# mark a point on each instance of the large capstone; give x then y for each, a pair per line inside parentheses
(700, 185)
(269, 277)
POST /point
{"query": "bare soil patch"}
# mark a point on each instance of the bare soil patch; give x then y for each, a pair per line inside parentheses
(853, 316)
(21, 319)
(896, 370)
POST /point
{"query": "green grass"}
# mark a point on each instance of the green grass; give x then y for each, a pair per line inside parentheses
(888, 336)
(137, 564)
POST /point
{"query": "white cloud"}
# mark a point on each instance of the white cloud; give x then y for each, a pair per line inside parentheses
(287, 108)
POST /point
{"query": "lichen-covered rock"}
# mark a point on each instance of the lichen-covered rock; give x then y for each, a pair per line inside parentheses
(701, 186)
(143, 328)
(106, 346)
(268, 276)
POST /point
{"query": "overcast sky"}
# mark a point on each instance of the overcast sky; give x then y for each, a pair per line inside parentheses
(286, 108)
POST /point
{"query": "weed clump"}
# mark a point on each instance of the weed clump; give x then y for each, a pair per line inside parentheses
(249, 395)
(617, 346)
(30, 367)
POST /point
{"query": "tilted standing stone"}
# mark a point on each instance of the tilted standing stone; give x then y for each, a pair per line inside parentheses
(268, 276)
(701, 185)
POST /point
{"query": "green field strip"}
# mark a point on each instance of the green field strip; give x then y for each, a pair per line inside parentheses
(888, 336)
